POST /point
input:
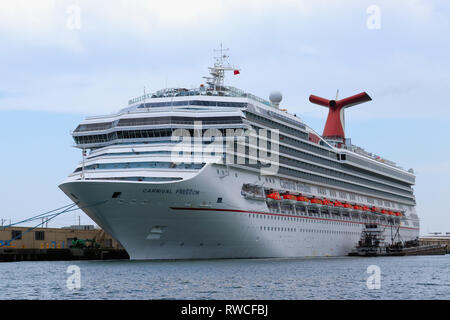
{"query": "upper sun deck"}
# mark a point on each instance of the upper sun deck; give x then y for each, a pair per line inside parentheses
(208, 91)
(199, 100)
(182, 100)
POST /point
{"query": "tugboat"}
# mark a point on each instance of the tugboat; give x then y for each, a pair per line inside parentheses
(373, 244)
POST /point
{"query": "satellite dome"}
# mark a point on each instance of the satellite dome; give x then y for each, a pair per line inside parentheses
(275, 98)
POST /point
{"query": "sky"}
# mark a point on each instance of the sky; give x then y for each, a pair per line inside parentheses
(61, 61)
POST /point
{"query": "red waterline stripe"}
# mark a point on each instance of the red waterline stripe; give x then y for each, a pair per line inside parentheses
(275, 214)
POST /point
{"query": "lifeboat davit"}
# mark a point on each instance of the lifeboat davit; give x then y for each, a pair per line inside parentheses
(273, 197)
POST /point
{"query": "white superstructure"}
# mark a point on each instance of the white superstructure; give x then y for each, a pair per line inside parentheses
(159, 208)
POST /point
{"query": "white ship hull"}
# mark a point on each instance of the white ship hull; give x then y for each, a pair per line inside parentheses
(188, 220)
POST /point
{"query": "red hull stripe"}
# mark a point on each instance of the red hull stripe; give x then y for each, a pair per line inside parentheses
(273, 214)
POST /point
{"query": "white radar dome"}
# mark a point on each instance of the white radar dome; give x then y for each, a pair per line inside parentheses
(275, 98)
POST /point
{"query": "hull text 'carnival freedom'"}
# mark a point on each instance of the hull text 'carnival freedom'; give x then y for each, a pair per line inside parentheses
(215, 172)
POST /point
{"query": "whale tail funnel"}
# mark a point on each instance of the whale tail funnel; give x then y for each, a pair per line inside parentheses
(335, 125)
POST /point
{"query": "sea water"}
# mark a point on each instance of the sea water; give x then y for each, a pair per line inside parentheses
(387, 278)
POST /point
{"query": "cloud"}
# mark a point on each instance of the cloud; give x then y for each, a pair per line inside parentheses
(48, 19)
(299, 47)
(397, 89)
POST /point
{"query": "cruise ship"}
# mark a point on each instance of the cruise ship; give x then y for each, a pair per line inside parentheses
(217, 172)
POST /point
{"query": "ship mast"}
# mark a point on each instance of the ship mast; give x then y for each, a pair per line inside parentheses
(217, 72)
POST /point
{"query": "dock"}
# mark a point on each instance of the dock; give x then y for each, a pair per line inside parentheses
(19, 254)
(436, 238)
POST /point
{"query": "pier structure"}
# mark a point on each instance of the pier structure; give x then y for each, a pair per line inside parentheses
(18, 237)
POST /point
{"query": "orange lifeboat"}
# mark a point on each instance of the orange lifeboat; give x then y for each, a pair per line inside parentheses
(327, 202)
(273, 197)
(289, 198)
(338, 204)
(365, 208)
(375, 210)
(348, 207)
(357, 208)
(385, 212)
(316, 202)
(302, 199)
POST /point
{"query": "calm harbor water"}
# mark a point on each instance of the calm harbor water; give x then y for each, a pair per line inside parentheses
(426, 277)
